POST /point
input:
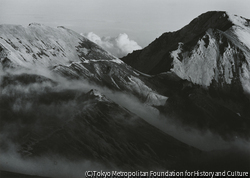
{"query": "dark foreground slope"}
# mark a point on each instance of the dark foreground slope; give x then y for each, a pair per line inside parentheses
(55, 123)
(7, 174)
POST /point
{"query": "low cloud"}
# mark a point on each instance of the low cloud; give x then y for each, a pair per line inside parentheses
(48, 166)
(54, 165)
(118, 46)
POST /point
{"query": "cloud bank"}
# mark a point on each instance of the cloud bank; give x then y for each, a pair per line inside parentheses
(118, 46)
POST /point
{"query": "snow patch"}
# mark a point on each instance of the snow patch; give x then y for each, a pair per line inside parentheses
(118, 61)
(156, 99)
(98, 94)
(115, 83)
(241, 28)
(152, 98)
(175, 54)
(199, 67)
(237, 20)
(245, 77)
(85, 51)
(243, 35)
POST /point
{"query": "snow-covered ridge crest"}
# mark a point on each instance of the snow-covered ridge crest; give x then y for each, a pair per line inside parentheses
(241, 28)
(43, 46)
(238, 20)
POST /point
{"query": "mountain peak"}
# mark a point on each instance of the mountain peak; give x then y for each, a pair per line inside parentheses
(143, 60)
(211, 19)
(220, 20)
(213, 14)
(98, 95)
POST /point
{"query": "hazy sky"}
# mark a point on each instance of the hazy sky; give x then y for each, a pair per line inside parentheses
(142, 20)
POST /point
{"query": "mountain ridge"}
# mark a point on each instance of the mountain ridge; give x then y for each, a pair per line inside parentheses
(41, 45)
(67, 53)
(211, 50)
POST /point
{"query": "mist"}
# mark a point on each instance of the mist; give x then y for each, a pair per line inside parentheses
(48, 166)
(202, 139)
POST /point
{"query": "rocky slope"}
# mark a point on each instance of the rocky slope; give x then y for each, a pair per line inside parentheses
(212, 50)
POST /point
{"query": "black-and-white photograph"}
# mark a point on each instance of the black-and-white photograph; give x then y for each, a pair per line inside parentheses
(124, 88)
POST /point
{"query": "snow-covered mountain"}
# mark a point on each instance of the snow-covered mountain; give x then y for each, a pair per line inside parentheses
(40, 45)
(204, 71)
(68, 53)
(213, 49)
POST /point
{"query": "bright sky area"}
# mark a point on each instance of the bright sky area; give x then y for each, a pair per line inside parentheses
(141, 20)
